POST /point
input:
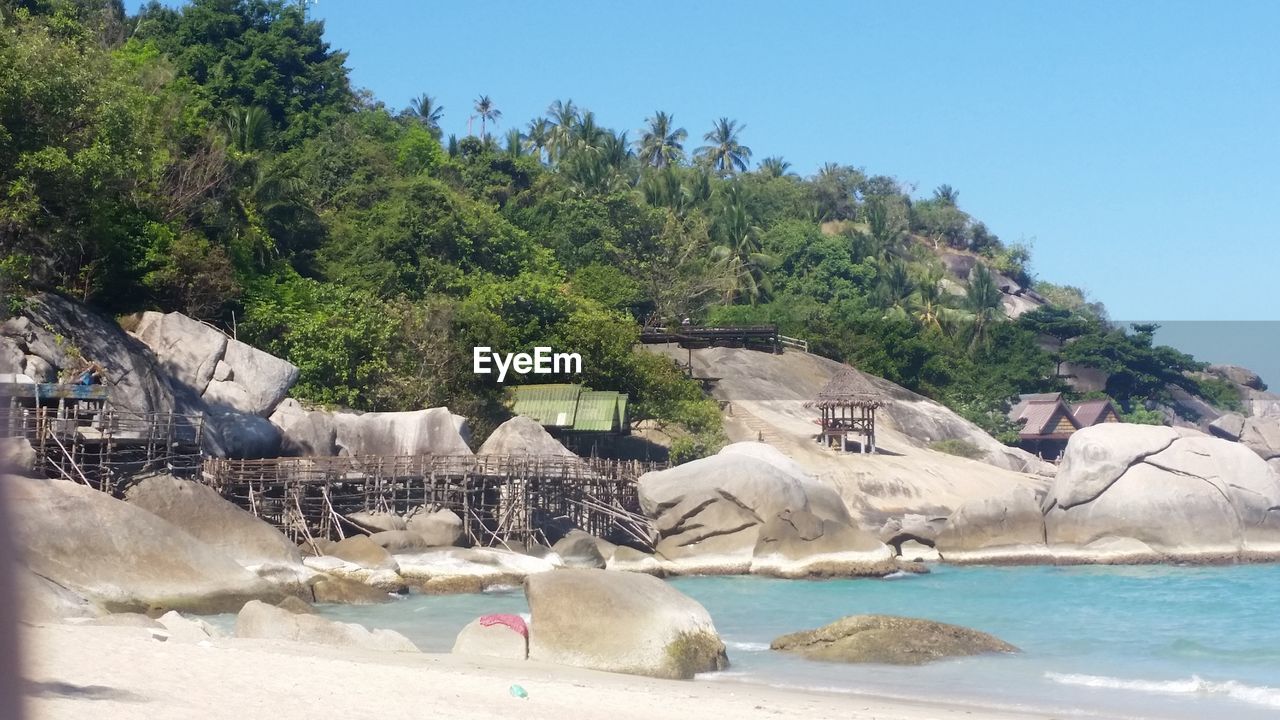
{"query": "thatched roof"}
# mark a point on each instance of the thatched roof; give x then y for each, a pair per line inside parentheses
(848, 389)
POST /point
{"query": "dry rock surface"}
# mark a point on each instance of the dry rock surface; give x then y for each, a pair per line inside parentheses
(259, 620)
(620, 622)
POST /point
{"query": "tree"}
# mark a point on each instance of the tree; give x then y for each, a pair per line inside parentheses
(488, 113)
(724, 153)
(538, 136)
(563, 115)
(983, 299)
(428, 112)
(774, 167)
(739, 255)
(661, 144)
(946, 194)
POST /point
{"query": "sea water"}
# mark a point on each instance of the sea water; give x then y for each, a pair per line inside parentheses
(1150, 641)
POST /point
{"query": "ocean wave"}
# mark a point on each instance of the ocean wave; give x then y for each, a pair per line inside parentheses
(1194, 685)
(746, 646)
(898, 575)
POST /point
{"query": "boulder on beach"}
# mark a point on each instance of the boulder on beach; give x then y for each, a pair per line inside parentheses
(399, 541)
(441, 528)
(620, 622)
(1186, 496)
(503, 636)
(187, 349)
(345, 591)
(377, 521)
(305, 433)
(258, 381)
(1228, 427)
(120, 556)
(890, 640)
(1012, 519)
(457, 570)
(362, 551)
(581, 549)
(710, 514)
(203, 513)
(259, 620)
(43, 601)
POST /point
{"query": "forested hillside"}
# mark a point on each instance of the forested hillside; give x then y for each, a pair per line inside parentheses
(217, 161)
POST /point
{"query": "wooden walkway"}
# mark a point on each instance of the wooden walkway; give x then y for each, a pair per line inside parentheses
(501, 499)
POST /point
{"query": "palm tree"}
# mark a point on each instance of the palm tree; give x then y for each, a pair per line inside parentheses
(615, 149)
(515, 143)
(946, 194)
(487, 112)
(725, 153)
(661, 144)
(894, 289)
(248, 129)
(538, 135)
(774, 167)
(739, 254)
(929, 308)
(563, 115)
(425, 109)
(983, 299)
(586, 134)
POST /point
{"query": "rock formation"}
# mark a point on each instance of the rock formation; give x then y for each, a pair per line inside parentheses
(504, 636)
(889, 640)
(737, 512)
(267, 622)
(523, 436)
(620, 622)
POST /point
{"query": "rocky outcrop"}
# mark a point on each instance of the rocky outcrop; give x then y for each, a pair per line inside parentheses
(461, 570)
(1185, 496)
(1009, 522)
(377, 521)
(120, 556)
(1239, 375)
(360, 550)
(187, 349)
(889, 640)
(1228, 427)
(305, 433)
(620, 622)
(523, 436)
(580, 549)
(259, 620)
(240, 435)
(736, 512)
(1262, 435)
(203, 513)
(441, 528)
(43, 601)
(503, 636)
(421, 432)
(257, 382)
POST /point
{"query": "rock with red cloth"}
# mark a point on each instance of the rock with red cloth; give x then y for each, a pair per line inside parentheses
(500, 635)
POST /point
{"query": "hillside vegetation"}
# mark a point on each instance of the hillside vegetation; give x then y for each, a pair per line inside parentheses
(215, 160)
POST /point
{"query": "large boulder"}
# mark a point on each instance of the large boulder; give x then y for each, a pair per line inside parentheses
(42, 601)
(710, 515)
(377, 520)
(1011, 519)
(63, 331)
(504, 636)
(362, 551)
(17, 456)
(1238, 375)
(580, 549)
(462, 570)
(240, 436)
(259, 381)
(887, 639)
(1097, 456)
(523, 436)
(186, 348)
(13, 360)
(120, 556)
(441, 528)
(1228, 427)
(1195, 497)
(620, 622)
(421, 432)
(259, 620)
(305, 433)
(1262, 435)
(204, 514)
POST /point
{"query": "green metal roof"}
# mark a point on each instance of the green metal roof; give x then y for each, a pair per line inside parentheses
(550, 405)
(597, 411)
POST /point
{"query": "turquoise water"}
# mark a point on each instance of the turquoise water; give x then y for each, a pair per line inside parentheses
(1161, 642)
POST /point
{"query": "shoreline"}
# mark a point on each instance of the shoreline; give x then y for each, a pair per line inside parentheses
(119, 673)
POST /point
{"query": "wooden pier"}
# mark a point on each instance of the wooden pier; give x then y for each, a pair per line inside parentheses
(501, 499)
(77, 435)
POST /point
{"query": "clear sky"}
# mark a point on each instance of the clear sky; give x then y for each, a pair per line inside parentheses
(1134, 144)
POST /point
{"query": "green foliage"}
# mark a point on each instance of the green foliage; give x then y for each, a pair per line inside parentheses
(959, 448)
(1221, 393)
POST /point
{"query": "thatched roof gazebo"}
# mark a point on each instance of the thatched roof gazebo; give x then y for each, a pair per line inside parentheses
(848, 404)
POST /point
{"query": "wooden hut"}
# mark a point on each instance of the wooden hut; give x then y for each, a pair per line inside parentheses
(848, 404)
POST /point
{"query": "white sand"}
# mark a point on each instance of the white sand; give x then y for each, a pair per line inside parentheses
(112, 673)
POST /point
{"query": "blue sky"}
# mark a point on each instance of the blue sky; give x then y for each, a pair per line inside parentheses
(1133, 144)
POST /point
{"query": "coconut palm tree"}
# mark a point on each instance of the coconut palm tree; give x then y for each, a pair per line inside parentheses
(487, 112)
(661, 144)
(724, 153)
(739, 254)
(983, 299)
(774, 167)
(946, 194)
(538, 135)
(428, 112)
(248, 129)
(563, 116)
(515, 143)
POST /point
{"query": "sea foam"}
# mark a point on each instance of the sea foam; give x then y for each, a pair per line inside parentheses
(1194, 685)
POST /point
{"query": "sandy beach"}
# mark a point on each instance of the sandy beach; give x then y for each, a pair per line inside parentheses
(117, 673)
